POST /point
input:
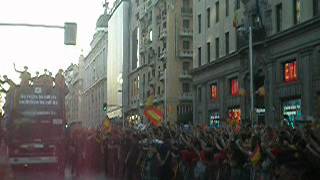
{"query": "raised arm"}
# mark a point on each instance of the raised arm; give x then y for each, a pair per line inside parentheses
(14, 66)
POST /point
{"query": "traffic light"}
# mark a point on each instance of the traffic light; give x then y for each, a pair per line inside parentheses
(70, 33)
(105, 107)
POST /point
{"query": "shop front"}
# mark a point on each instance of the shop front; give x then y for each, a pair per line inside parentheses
(291, 111)
(234, 115)
(214, 119)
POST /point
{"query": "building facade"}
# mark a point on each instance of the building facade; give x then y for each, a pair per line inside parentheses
(118, 57)
(94, 71)
(160, 58)
(73, 98)
(286, 64)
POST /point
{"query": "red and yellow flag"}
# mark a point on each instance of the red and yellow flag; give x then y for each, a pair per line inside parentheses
(154, 115)
(256, 156)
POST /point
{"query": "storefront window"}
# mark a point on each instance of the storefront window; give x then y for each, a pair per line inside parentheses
(214, 119)
(292, 111)
(214, 92)
(235, 88)
(290, 71)
(235, 116)
(260, 114)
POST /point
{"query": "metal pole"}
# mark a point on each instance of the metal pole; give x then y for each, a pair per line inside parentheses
(165, 95)
(31, 25)
(251, 78)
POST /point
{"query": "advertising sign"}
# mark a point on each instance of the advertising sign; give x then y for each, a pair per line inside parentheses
(292, 110)
(214, 119)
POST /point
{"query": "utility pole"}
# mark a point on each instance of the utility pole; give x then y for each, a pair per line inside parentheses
(251, 78)
(165, 96)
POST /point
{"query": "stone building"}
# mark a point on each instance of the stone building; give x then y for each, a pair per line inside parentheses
(286, 66)
(160, 58)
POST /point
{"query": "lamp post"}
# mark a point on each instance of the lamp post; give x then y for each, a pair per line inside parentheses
(249, 31)
(251, 77)
(165, 96)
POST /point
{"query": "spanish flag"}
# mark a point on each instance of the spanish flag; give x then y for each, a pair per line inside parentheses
(154, 115)
(256, 156)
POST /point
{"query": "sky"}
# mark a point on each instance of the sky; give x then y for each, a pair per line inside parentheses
(40, 48)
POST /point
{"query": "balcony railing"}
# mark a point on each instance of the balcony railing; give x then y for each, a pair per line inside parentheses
(186, 32)
(186, 53)
(185, 75)
(186, 96)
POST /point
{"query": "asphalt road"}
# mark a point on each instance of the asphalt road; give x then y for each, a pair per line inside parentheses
(52, 175)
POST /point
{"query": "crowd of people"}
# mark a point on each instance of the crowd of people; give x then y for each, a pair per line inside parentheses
(201, 152)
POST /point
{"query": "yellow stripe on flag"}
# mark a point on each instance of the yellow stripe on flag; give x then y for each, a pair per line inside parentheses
(256, 156)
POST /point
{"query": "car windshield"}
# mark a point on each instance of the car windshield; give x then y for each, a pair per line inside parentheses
(159, 89)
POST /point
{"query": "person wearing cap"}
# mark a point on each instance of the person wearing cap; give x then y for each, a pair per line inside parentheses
(60, 82)
(35, 79)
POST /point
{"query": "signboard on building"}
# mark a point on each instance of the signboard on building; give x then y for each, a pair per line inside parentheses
(214, 119)
(292, 110)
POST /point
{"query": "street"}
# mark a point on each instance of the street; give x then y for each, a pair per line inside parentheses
(52, 175)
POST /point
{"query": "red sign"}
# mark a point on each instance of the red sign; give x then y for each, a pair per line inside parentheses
(235, 88)
(290, 71)
(214, 92)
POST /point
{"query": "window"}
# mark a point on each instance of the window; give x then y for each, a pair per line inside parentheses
(208, 52)
(290, 71)
(186, 45)
(185, 66)
(153, 72)
(159, 52)
(227, 43)
(237, 4)
(316, 7)
(199, 23)
(186, 3)
(186, 24)
(279, 17)
(235, 88)
(199, 56)
(296, 11)
(227, 8)
(199, 94)
(185, 87)
(217, 11)
(208, 17)
(217, 48)
(214, 91)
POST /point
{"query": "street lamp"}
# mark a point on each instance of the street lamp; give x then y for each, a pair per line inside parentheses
(251, 73)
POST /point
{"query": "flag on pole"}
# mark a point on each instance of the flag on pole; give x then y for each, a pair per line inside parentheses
(256, 156)
(149, 101)
(154, 115)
